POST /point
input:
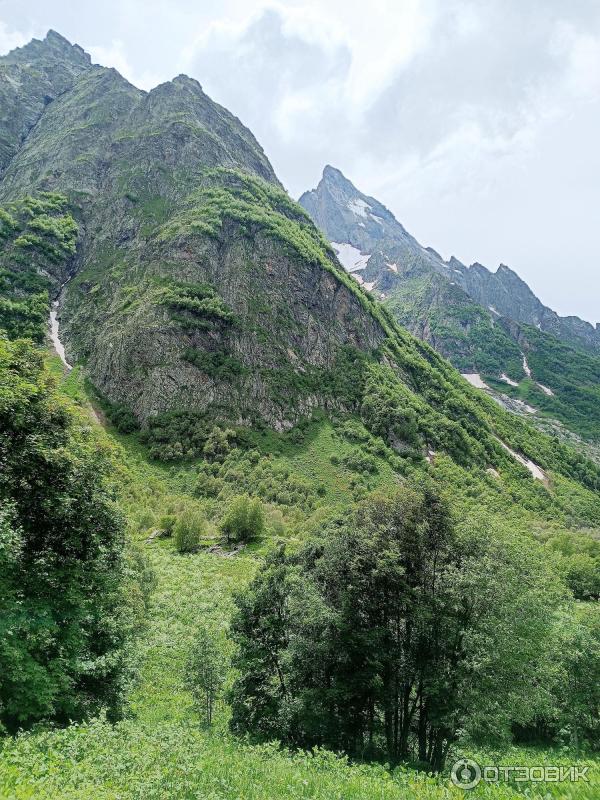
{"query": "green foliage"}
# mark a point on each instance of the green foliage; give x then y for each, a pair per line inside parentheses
(65, 626)
(167, 524)
(572, 375)
(205, 672)
(580, 562)
(252, 473)
(577, 690)
(218, 444)
(216, 364)
(244, 519)
(367, 641)
(256, 205)
(342, 382)
(122, 418)
(37, 237)
(195, 306)
(462, 331)
(359, 461)
(176, 435)
(187, 531)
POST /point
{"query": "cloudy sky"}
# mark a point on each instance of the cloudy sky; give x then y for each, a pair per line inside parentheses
(477, 122)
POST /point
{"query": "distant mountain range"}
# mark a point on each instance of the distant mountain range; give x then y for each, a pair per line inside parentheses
(490, 325)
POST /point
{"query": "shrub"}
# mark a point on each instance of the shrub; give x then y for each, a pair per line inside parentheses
(167, 523)
(64, 579)
(244, 520)
(359, 461)
(365, 641)
(208, 485)
(187, 531)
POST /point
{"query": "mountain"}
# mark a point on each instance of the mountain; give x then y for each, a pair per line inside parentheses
(355, 220)
(487, 324)
(207, 323)
(193, 290)
(31, 77)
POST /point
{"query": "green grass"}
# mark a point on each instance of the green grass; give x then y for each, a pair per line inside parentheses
(161, 750)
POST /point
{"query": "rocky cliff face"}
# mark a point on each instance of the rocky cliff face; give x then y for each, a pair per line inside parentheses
(196, 281)
(31, 77)
(192, 283)
(356, 222)
(512, 297)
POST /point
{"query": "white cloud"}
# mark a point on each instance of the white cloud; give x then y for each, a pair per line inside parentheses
(114, 55)
(9, 39)
(474, 120)
(581, 53)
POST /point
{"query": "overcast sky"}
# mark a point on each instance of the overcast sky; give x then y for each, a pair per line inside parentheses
(476, 123)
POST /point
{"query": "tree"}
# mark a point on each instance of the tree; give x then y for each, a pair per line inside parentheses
(392, 633)
(205, 672)
(63, 622)
(244, 519)
(575, 687)
(187, 531)
(260, 628)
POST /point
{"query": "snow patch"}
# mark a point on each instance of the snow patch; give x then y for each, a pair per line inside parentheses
(525, 407)
(350, 257)
(508, 380)
(358, 207)
(537, 472)
(54, 335)
(393, 267)
(546, 390)
(369, 286)
(475, 380)
(493, 310)
(377, 219)
(526, 369)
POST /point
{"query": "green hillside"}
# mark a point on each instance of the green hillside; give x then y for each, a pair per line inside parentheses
(260, 541)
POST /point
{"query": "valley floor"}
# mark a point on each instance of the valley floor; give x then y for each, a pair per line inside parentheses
(162, 752)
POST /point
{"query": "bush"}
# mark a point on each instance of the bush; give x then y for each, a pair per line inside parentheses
(244, 520)
(359, 461)
(208, 485)
(365, 641)
(122, 418)
(187, 531)
(167, 523)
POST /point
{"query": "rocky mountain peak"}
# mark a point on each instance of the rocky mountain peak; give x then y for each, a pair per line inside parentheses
(188, 83)
(378, 250)
(52, 47)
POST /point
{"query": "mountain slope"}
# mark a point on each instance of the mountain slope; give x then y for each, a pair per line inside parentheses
(486, 323)
(199, 289)
(211, 326)
(30, 78)
(349, 217)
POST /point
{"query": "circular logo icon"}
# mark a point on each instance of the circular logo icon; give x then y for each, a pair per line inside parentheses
(466, 773)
